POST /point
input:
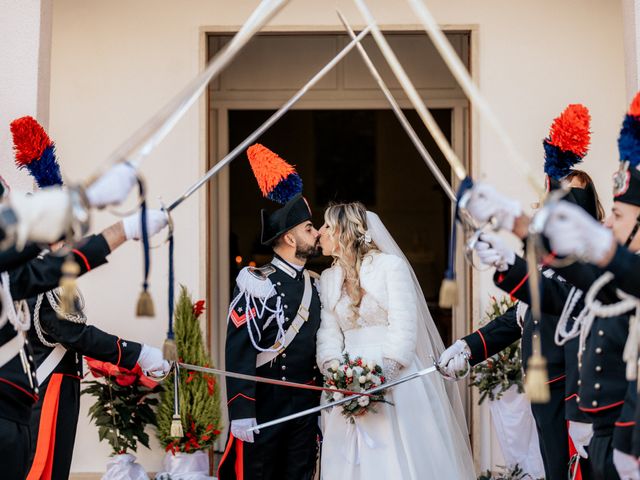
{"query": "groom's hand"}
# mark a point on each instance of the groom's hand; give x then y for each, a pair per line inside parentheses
(455, 359)
(240, 429)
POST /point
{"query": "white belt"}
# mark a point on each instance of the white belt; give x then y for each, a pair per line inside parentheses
(50, 363)
(10, 349)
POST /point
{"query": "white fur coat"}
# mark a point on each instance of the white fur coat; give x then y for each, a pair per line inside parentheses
(387, 279)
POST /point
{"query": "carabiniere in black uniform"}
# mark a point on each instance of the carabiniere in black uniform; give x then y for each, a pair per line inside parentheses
(289, 450)
(58, 345)
(19, 390)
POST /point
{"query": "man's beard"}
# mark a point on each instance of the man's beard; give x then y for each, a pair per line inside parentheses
(305, 252)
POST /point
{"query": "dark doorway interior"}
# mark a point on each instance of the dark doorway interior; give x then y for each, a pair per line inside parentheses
(346, 155)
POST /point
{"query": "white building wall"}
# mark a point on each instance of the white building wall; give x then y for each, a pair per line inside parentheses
(115, 63)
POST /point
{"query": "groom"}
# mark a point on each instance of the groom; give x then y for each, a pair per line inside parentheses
(271, 332)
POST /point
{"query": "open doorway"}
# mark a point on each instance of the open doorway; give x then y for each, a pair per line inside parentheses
(349, 155)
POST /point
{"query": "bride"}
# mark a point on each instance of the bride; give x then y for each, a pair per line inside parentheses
(373, 308)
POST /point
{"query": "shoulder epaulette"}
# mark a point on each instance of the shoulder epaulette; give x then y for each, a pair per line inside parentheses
(255, 282)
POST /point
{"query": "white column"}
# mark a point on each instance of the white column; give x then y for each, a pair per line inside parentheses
(631, 22)
(25, 53)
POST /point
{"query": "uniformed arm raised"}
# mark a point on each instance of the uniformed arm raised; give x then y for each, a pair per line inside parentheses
(42, 274)
(88, 340)
(330, 340)
(625, 265)
(494, 337)
(515, 282)
(401, 310)
(12, 258)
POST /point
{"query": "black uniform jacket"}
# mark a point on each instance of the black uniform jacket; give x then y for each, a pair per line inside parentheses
(18, 386)
(297, 363)
(602, 384)
(79, 339)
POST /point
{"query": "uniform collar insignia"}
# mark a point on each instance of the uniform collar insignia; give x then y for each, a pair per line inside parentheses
(284, 266)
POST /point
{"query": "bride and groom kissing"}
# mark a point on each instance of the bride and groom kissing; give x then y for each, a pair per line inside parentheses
(288, 323)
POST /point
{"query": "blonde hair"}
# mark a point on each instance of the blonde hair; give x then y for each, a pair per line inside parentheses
(347, 225)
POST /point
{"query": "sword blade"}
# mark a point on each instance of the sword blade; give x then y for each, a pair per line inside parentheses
(412, 93)
(151, 133)
(319, 408)
(271, 381)
(422, 150)
(270, 121)
(461, 74)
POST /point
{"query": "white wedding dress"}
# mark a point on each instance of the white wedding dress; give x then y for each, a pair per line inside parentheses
(419, 436)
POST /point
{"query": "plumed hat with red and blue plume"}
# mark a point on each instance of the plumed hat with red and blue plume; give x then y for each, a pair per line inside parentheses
(626, 181)
(568, 141)
(35, 151)
(279, 182)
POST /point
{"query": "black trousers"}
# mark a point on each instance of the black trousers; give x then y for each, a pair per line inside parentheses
(285, 452)
(14, 449)
(552, 433)
(66, 425)
(601, 454)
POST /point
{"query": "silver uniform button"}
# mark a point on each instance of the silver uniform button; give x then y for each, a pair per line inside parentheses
(284, 379)
(598, 350)
(286, 306)
(279, 283)
(31, 358)
(598, 368)
(579, 382)
(577, 399)
(284, 367)
(36, 390)
(282, 294)
(597, 386)
(284, 355)
(601, 333)
(594, 403)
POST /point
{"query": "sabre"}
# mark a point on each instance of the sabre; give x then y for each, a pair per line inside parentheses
(151, 133)
(371, 391)
(412, 93)
(270, 121)
(400, 115)
(271, 381)
(461, 74)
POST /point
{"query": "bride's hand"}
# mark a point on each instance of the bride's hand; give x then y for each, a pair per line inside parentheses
(390, 369)
(324, 368)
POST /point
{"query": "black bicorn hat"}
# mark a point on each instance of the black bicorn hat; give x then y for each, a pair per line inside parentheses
(626, 181)
(279, 182)
(280, 221)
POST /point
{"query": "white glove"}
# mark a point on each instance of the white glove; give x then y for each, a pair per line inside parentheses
(156, 221)
(240, 427)
(390, 369)
(494, 252)
(113, 187)
(152, 362)
(485, 203)
(42, 217)
(581, 434)
(454, 361)
(626, 465)
(571, 230)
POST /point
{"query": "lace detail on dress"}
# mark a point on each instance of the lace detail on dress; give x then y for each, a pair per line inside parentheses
(371, 313)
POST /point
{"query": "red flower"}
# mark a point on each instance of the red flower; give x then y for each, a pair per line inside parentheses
(121, 375)
(198, 308)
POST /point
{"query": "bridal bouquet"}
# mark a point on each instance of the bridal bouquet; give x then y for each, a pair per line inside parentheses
(357, 376)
